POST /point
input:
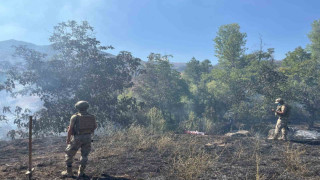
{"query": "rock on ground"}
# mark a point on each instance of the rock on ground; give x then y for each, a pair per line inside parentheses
(297, 134)
(240, 133)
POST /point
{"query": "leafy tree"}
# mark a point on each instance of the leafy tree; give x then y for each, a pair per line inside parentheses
(157, 122)
(198, 98)
(299, 55)
(193, 71)
(243, 85)
(80, 70)
(193, 122)
(228, 88)
(310, 74)
(265, 85)
(206, 66)
(227, 82)
(162, 87)
(314, 37)
(303, 81)
(230, 45)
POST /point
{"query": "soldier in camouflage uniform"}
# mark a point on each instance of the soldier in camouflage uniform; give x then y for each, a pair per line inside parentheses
(82, 125)
(282, 112)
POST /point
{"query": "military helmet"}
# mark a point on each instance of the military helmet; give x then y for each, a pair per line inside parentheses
(279, 100)
(82, 105)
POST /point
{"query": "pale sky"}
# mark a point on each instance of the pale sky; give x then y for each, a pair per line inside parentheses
(182, 28)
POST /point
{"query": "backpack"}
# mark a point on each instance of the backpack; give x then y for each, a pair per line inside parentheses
(85, 124)
(287, 112)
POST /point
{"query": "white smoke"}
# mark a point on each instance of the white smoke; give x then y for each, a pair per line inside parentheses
(32, 103)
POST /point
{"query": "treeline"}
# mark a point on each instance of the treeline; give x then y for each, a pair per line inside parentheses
(238, 92)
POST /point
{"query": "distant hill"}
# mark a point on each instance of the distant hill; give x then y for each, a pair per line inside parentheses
(179, 66)
(7, 50)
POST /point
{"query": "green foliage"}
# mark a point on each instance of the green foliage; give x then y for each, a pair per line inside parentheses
(80, 70)
(195, 69)
(198, 101)
(193, 122)
(303, 81)
(162, 87)
(207, 125)
(296, 57)
(130, 112)
(157, 121)
(243, 86)
(230, 45)
(314, 37)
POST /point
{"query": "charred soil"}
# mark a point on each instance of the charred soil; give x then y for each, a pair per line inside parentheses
(136, 153)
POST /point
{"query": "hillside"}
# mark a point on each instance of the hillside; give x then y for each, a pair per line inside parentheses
(138, 154)
(7, 50)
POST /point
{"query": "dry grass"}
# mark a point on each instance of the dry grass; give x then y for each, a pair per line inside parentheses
(140, 152)
(240, 151)
(191, 165)
(184, 160)
(258, 175)
(165, 144)
(140, 138)
(258, 159)
(292, 160)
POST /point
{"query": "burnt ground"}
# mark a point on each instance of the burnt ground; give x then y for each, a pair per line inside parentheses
(169, 156)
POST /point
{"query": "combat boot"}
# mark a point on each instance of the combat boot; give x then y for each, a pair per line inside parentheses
(81, 171)
(283, 139)
(67, 173)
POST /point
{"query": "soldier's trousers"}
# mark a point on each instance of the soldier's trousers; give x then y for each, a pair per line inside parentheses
(78, 141)
(282, 125)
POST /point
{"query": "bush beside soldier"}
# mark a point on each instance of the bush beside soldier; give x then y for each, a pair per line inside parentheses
(282, 112)
(82, 126)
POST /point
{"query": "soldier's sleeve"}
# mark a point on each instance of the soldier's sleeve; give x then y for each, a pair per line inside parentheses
(72, 121)
(283, 109)
(277, 109)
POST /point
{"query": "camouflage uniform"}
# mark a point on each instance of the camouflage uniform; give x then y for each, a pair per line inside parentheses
(282, 123)
(78, 140)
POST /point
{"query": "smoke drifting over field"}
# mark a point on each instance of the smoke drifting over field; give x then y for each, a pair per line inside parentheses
(31, 102)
